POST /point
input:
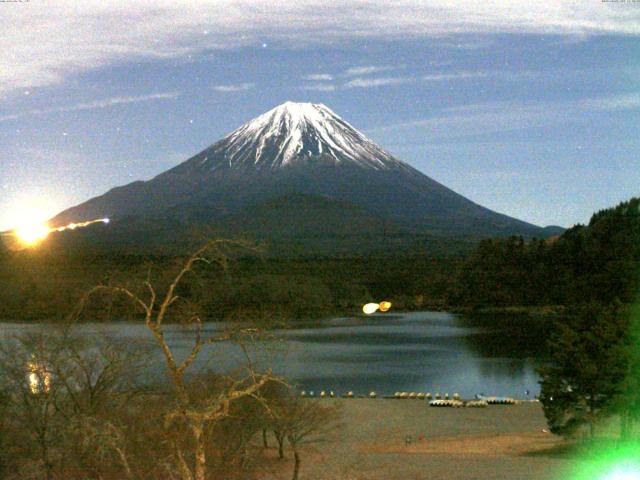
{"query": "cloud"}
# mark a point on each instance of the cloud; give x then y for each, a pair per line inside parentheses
(481, 119)
(377, 82)
(368, 70)
(238, 87)
(105, 103)
(467, 44)
(319, 87)
(436, 77)
(318, 77)
(368, 82)
(629, 101)
(46, 43)
(495, 117)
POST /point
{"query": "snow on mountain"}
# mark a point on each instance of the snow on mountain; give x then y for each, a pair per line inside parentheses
(294, 133)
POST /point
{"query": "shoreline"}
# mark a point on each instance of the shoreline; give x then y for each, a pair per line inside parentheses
(537, 311)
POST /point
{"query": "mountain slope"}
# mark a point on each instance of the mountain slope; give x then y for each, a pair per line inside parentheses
(300, 149)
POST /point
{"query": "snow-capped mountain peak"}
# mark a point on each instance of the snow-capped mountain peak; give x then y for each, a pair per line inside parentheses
(274, 166)
(293, 133)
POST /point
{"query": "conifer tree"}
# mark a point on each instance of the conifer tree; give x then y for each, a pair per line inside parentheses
(587, 367)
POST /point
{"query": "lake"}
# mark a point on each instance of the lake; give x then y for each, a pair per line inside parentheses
(418, 351)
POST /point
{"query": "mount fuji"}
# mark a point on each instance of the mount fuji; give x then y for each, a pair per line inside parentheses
(301, 169)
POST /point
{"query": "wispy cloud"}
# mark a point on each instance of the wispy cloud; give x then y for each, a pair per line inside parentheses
(474, 44)
(366, 70)
(368, 82)
(495, 117)
(319, 87)
(324, 82)
(237, 87)
(437, 77)
(629, 101)
(318, 77)
(477, 120)
(94, 34)
(97, 104)
(377, 82)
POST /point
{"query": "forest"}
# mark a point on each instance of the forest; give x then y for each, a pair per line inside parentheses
(595, 262)
(45, 287)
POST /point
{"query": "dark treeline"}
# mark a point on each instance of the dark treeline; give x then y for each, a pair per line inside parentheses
(597, 262)
(313, 288)
(41, 287)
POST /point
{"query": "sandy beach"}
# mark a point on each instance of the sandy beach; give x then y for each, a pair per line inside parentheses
(498, 442)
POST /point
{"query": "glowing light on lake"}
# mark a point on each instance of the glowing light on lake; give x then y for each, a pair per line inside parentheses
(39, 377)
(370, 308)
(385, 306)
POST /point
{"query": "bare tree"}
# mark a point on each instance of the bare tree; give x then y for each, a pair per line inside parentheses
(102, 379)
(32, 395)
(105, 438)
(298, 420)
(308, 422)
(101, 375)
(276, 398)
(55, 386)
(195, 414)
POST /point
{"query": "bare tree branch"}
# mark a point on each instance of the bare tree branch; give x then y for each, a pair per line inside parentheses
(196, 417)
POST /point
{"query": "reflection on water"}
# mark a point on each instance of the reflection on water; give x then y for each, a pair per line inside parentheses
(425, 351)
(421, 351)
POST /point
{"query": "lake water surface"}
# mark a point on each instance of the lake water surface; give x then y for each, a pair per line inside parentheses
(419, 351)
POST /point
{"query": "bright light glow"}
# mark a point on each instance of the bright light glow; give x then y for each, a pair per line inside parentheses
(385, 306)
(27, 218)
(73, 226)
(28, 208)
(370, 308)
(39, 377)
(627, 472)
(32, 234)
(616, 461)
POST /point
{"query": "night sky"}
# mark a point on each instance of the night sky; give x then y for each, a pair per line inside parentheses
(531, 110)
